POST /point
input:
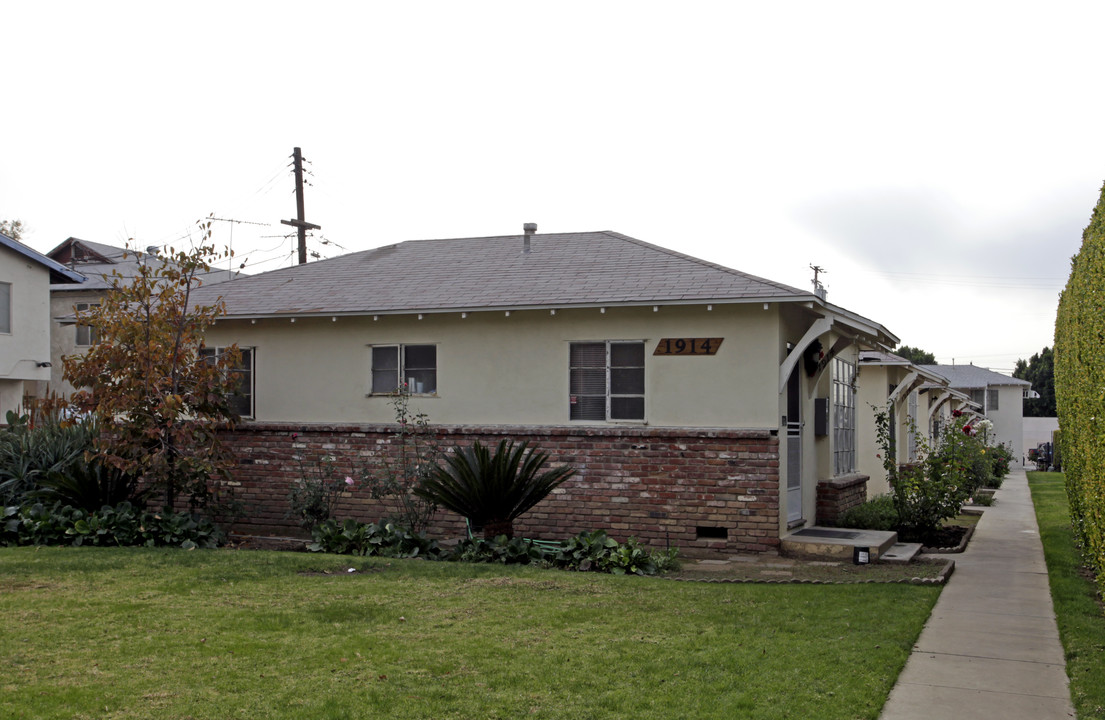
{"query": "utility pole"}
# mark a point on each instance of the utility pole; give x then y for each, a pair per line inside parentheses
(818, 287)
(300, 223)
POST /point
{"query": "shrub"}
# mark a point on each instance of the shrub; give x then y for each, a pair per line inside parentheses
(1001, 457)
(596, 551)
(934, 490)
(90, 485)
(1079, 369)
(416, 455)
(384, 539)
(123, 524)
(312, 497)
(492, 490)
(29, 452)
(589, 551)
(964, 454)
(878, 513)
(504, 550)
(925, 495)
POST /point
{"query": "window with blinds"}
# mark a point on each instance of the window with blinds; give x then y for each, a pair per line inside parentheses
(607, 380)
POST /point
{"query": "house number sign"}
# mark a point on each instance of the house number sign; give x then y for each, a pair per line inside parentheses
(688, 346)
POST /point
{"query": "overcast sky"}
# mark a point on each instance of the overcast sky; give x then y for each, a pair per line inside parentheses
(939, 160)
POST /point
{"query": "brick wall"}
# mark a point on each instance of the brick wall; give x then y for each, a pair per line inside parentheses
(702, 491)
(836, 495)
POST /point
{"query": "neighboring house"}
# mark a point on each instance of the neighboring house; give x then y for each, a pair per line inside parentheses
(683, 391)
(25, 280)
(96, 262)
(893, 383)
(995, 396)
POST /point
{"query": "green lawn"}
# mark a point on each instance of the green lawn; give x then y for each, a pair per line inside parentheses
(1077, 608)
(141, 633)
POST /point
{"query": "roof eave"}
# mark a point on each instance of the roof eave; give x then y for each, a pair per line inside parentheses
(56, 269)
(514, 308)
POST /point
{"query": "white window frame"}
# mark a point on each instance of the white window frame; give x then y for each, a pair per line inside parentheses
(402, 383)
(844, 417)
(5, 308)
(91, 334)
(248, 368)
(608, 393)
(991, 399)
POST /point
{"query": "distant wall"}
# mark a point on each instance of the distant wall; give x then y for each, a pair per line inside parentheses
(1038, 430)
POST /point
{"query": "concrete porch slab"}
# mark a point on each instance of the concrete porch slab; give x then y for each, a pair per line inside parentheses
(836, 543)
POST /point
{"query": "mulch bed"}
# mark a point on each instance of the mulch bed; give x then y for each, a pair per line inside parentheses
(948, 539)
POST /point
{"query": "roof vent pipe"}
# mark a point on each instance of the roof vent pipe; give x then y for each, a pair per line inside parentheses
(529, 229)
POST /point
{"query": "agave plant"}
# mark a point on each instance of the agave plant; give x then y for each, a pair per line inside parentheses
(491, 490)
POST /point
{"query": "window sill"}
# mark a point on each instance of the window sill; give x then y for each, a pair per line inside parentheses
(395, 395)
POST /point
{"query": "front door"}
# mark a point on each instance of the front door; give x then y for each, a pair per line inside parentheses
(794, 447)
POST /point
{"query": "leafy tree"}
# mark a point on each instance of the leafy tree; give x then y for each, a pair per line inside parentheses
(917, 356)
(158, 399)
(12, 228)
(1040, 371)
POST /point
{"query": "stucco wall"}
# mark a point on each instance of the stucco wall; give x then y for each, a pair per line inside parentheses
(1008, 418)
(63, 338)
(494, 369)
(28, 343)
(872, 389)
(1037, 430)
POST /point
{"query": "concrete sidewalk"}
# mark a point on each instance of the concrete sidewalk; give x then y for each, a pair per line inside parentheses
(991, 647)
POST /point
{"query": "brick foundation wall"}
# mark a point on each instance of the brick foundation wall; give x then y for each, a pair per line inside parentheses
(836, 495)
(703, 491)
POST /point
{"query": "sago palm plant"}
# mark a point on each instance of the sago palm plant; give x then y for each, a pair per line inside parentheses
(491, 490)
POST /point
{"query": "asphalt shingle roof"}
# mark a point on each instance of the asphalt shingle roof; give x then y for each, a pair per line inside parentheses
(121, 260)
(972, 376)
(562, 270)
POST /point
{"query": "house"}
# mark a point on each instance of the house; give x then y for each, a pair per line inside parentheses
(997, 397)
(25, 280)
(96, 262)
(892, 383)
(703, 407)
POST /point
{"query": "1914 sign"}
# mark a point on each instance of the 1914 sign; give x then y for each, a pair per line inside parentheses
(688, 346)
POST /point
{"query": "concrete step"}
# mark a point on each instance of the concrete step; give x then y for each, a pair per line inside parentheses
(836, 543)
(901, 553)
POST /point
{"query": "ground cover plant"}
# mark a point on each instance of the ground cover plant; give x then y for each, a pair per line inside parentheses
(1078, 608)
(137, 633)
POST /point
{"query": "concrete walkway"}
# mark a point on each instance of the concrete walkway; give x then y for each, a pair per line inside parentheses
(991, 647)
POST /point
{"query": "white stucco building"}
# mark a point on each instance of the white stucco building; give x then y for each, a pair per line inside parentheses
(25, 280)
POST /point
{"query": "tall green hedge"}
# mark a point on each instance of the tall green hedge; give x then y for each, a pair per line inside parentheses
(1080, 389)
